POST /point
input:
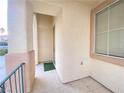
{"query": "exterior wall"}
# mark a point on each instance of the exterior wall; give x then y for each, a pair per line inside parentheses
(17, 26)
(58, 45)
(29, 25)
(12, 60)
(72, 41)
(20, 15)
(35, 38)
(112, 76)
(106, 73)
(45, 38)
(72, 47)
(45, 8)
(20, 18)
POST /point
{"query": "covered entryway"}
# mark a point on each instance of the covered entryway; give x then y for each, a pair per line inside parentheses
(44, 38)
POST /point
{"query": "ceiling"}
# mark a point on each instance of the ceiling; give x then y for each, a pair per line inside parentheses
(51, 7)
(90, 2)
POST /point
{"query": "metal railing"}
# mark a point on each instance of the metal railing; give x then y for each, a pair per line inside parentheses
(14, 82)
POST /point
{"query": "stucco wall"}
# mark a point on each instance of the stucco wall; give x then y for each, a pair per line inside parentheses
(72, 45)
(35, 38)
(72, 49)
(17, 19)
(29, 25)
(112, 76)
(20, 16)
(45, 8)
(45, 38)
(73, 31)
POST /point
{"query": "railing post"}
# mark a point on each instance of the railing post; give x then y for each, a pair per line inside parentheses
(22, 79)
(3, 89)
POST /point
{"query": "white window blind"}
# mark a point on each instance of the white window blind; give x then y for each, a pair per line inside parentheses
(109, 30)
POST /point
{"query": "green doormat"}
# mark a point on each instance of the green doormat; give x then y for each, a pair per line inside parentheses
(48, 66)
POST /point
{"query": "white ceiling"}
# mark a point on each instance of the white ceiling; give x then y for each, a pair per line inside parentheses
(51, 7)
(91, 2)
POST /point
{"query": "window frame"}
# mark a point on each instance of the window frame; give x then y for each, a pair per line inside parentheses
(106, 58)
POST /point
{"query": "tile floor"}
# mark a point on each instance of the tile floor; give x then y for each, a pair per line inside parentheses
(48, 82)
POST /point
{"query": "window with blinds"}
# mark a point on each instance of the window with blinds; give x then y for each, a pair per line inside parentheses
(109, 30)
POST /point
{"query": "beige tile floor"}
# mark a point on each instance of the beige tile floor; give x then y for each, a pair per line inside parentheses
(48, 82)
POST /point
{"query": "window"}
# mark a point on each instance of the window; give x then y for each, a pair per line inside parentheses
(101, 32)
(107, 32)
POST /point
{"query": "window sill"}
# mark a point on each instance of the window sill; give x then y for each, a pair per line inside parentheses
(108, 59)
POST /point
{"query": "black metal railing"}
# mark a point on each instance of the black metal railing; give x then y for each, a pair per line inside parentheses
(14, 82)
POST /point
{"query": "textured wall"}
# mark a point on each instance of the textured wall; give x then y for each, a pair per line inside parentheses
(45, 38)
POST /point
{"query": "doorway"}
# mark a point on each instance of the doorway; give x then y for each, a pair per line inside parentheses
(54, 45)
(44, 39)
